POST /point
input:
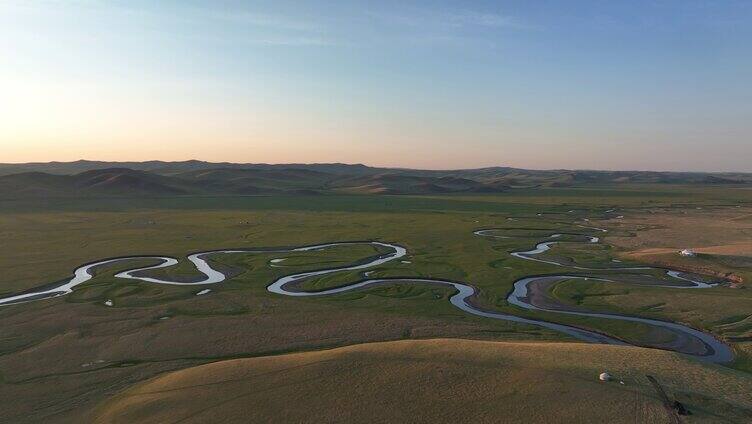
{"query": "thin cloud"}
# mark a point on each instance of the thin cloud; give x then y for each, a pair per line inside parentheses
(451, 19)
(280, 30)
(269, 21)
(494, 20)
(446, 28)
(292, 41)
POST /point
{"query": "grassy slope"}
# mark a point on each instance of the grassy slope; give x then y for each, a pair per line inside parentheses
(438, 381)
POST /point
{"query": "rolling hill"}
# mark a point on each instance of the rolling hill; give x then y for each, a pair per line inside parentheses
(113, 181)
(157, 178)
(403, 183)
(439, 381)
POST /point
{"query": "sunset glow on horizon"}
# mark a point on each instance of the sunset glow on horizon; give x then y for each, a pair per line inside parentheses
(464, 84)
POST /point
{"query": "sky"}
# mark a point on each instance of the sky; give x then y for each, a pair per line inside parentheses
(653, 85)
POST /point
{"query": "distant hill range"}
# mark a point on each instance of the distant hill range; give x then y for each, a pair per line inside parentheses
(157, 178)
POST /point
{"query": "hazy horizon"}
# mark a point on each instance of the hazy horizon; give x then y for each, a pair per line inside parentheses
(373, 165)
(660, 86)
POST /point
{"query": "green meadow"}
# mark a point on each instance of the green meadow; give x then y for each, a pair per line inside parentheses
(79, 344)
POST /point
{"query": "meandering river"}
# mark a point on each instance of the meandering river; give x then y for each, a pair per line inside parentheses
(528, 293)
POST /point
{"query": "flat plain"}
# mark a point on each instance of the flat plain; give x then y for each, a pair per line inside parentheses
(63, 358)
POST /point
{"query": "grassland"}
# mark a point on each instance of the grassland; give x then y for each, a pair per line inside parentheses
(440, 381)
(722, 239)
(60, 357)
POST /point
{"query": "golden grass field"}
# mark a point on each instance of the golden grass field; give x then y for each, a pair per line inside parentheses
(439, 381)
(693, 228)
(722, 237)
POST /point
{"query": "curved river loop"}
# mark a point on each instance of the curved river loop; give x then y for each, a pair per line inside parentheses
(528, 292)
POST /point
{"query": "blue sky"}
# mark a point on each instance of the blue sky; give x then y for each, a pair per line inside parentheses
(543, 84)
